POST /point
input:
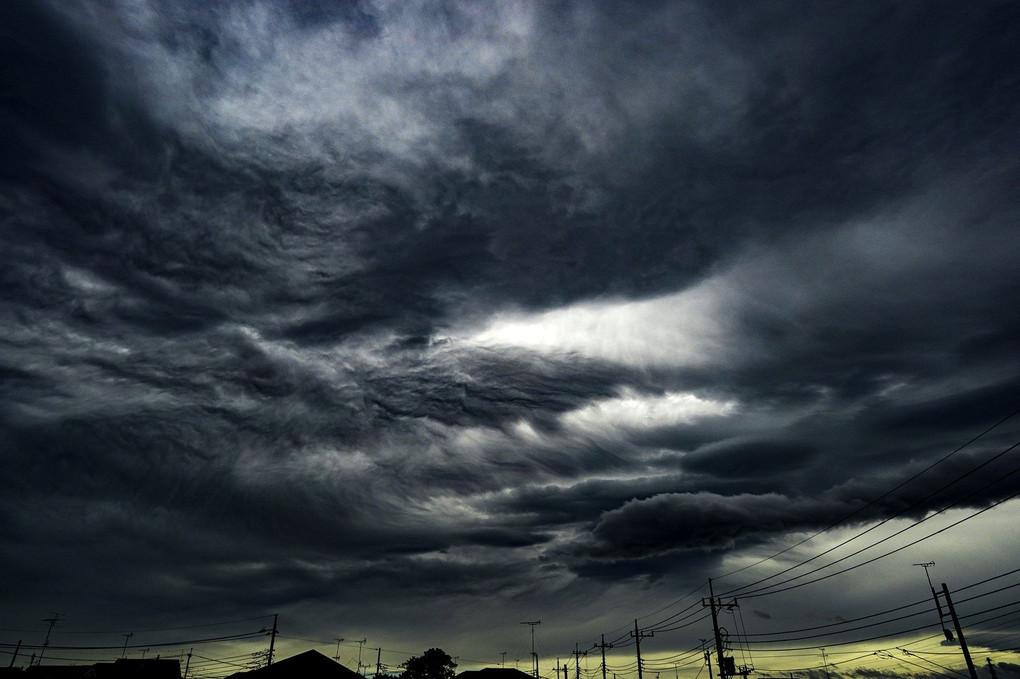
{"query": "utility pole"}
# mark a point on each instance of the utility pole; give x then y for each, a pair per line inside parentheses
(187, 665)
(18, 648)
(577, 660)
(727, 665)
(534, 656)
(338, 640)
(951, 614)
(825, 664)
(502, 658)
(53, 621)
(715, 628)
(604, 646)
(991, 669)
(708, 657)
(959, 632)
(272, 640)
(378, 661)
(637, 634)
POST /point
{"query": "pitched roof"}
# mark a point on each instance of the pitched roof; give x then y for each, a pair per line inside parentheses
(122, 668)
(494, 673)
(307, 665)
(136, 668)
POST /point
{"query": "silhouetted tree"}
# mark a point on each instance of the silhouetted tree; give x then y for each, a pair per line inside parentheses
(432, 664)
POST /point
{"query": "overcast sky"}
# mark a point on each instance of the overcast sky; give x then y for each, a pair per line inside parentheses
(413, 321)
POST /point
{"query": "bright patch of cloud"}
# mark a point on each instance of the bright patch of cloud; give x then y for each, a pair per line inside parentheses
(683, 329)
(635, 411)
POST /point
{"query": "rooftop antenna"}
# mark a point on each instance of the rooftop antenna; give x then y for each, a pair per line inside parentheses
(126, 638)
(53, 621)
(534, 656)
(934, 595)
(361, 645)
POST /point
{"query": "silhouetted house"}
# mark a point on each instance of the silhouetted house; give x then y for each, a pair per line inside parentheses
(307, 665)
(124, 668)
(494, 673)
(135, 668)
(55, 671)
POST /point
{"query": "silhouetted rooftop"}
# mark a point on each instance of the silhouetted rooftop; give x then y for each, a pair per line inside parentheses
(307, 665)
(124, 668)
(494, 673)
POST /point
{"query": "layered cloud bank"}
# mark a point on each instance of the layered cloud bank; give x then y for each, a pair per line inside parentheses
(336, 308)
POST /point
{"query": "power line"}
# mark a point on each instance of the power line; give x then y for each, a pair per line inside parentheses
(859, 509)
(232, 637)
(766, 590)
(670, 605)
(841, 622)
(140, 631)
(892, 634)
(881, 523)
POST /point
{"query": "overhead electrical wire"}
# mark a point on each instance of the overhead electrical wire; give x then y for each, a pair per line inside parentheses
(908, 662)
(704, 615)
(842, 622)
(233, 637)
(778, 587)
(857, 511)
(142, 631)
(769, 589)
(917, 503)
(896, 633)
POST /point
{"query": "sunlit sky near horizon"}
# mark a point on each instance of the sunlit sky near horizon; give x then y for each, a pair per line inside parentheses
(416, 321)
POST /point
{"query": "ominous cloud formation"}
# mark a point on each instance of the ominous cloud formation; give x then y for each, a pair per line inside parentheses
(386, 316)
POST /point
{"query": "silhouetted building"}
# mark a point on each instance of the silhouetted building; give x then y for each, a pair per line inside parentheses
(55, 671)
(136, 668)
(124, 668)
(494, 673)
(307, 665)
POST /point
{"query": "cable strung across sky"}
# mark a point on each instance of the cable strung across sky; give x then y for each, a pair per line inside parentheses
(412, 321)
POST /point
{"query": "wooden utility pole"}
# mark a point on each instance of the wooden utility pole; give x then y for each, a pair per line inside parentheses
(637, 634)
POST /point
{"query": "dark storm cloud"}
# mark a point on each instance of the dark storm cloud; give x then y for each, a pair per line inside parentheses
(757, 459)
(255, 256)
(55, 93)
(706, 520)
